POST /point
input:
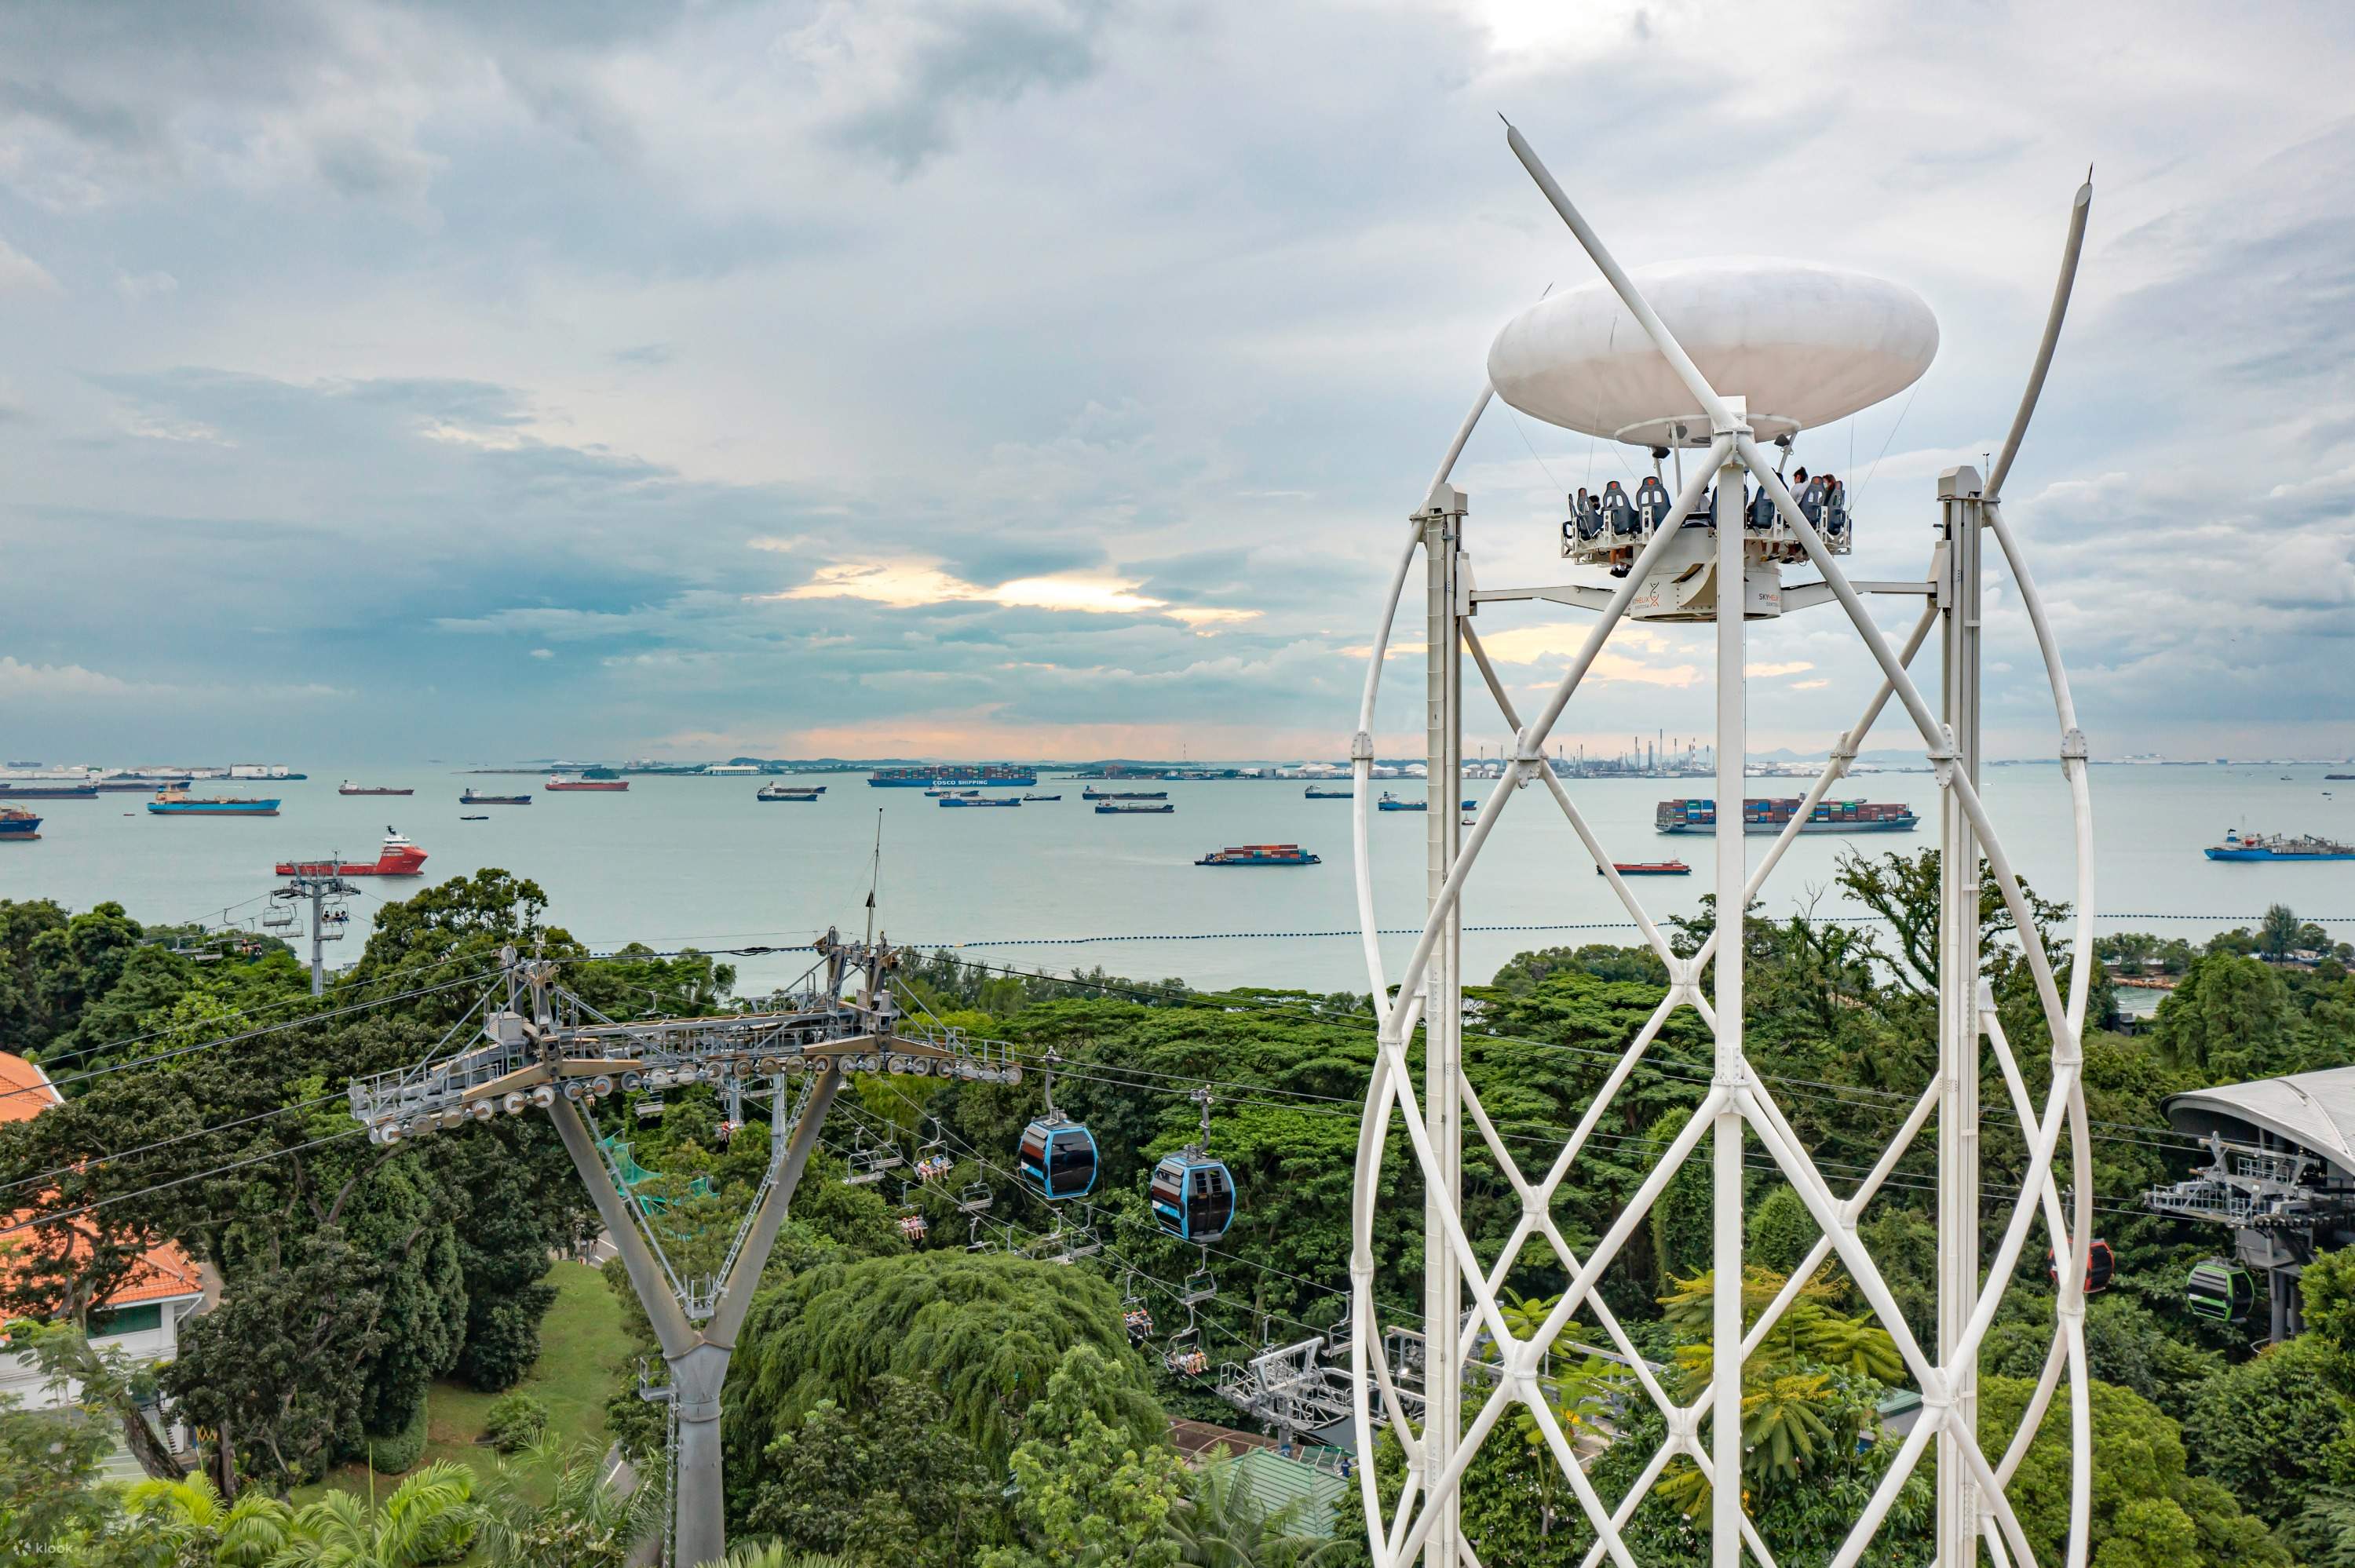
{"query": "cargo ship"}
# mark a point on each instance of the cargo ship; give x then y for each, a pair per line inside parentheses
(399, 857)
(940, 775)
(787, 792)
(18, 827)
(180, 804)
(980, 799)
(1649, 868)
(348, 788)
(1389, 802)
(1042, 797)
(1314, 793)
(1090, 792)
(1133, 808)
(33, 791)
(146, 785)
(1772, 816)
(1260, 854)
(2277, 846)
(470, 798)
(558, 782)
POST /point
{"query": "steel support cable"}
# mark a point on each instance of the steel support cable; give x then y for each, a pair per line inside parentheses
(94, 1160)
(1897, 1099)
(248, 1034)
(180, 1182)
(1125, 1263)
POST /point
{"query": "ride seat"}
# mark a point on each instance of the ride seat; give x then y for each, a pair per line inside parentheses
(1652, 502)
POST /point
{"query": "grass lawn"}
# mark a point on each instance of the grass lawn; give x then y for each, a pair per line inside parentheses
(584, 1351)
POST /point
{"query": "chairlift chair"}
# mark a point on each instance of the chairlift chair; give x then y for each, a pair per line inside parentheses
(1184, 1355)
(1199, 1287)
(975, 1199)
(915, 1227)
(650, 1110)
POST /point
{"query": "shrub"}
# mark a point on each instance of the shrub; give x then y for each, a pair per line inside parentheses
(516, 1422)
(393, 1455)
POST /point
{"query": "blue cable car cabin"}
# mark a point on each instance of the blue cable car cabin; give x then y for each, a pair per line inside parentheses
(1058, 1160)
(1193, 1196)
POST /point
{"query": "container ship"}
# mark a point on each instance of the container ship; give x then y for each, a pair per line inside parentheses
(470, 798)
(2277, 846)
(936, 776)
(787, 792)
(348, 788)
(1090, 792)
(1260, 854)
(1772, 816)
(35, 791)
(558, 783)
(180, 804)
(980, 799)
(1134, 809)
(399, 857)
(18, 826)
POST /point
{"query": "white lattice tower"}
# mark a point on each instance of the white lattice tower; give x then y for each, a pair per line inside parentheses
(1737, 1106)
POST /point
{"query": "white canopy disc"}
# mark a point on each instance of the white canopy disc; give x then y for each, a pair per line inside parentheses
(1804, 344)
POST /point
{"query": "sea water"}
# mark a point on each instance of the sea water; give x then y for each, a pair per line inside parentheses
(1052, 886)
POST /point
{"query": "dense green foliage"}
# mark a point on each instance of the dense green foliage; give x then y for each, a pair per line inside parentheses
(899, 1399)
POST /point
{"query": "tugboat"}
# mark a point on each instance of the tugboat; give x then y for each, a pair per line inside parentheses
(787, 792)
(17, 826)
(980, 799)
(1649, 868)
(2277, 846)
(1389, 802)
(180, 804)
(348, 788)
(470, 798)
(589, 780)
(1261, 854)
(399, 857)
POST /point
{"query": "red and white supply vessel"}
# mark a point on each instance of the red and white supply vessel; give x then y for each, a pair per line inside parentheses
(399, 857)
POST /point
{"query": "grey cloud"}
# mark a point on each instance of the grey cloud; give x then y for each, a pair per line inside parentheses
(970, 51)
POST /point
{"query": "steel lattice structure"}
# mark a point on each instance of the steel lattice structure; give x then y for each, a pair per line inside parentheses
(541, 1047)
(1438, 1442)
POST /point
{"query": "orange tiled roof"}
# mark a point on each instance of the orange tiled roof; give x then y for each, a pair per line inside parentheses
(167, 1271)
(25, 1089)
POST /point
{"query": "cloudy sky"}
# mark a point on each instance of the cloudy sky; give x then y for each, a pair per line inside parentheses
(1052, 376)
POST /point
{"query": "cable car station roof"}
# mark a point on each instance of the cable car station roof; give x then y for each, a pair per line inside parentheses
(2315, 1111)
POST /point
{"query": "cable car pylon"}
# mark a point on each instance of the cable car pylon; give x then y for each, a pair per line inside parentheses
(542, 1047)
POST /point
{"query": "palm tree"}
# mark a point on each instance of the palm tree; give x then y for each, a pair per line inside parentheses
(771, 1555)
(430, 1520)
(585, 1524)
(1221, 1524)
(244, 1534)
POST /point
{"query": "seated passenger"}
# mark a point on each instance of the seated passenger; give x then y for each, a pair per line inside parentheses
(1811, 502)
(1617, 512)
(1835, 507)
(1587, 514)
(1652, 502)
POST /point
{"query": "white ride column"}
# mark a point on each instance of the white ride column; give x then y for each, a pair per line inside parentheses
(1958, 1525)
(1442, 1014)
(1733, 873)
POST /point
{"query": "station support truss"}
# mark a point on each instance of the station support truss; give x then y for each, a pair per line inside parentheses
(542, 1048)
(1461, 1307)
